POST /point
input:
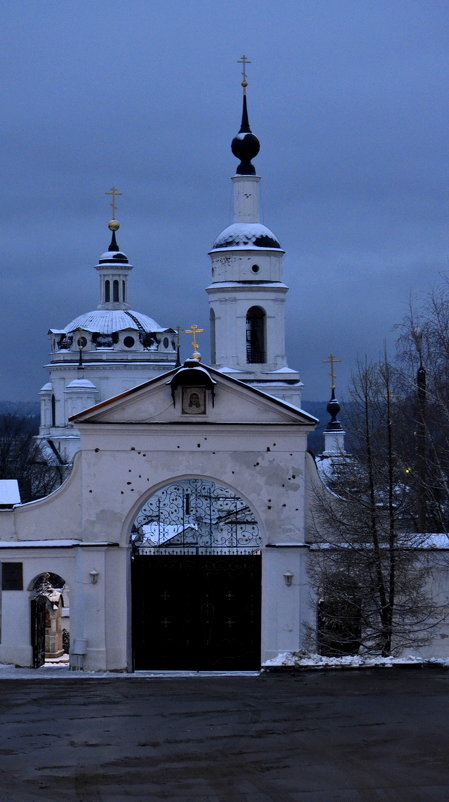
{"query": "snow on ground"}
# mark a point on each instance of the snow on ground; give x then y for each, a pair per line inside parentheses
(292, 660)
(304, 660)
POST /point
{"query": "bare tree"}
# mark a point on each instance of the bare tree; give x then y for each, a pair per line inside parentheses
(370, 572)
(21, 457)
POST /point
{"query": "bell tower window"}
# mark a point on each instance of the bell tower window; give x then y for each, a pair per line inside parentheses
(124, 292)
(115, 291)
(107, 291)
(255, 335)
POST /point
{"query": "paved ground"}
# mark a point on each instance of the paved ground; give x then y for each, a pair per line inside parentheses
(314, 737)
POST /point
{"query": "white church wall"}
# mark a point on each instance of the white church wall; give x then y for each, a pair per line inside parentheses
(57, 516)
(286, 607)
(15, 645)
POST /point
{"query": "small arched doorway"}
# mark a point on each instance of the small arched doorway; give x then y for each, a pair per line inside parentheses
(47, 634)
(196, 579)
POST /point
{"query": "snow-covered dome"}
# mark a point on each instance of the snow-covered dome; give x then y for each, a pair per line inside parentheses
(81, 384)
(108, 321)
(246, 235)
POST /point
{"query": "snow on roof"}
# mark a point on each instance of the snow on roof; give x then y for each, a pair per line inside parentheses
(107, 321)
(246, 235)
(9, 492)
(81, 383)
(27, 544)
(255, 283)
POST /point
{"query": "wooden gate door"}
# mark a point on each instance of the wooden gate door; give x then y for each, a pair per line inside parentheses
(198, 612)
(38, 616)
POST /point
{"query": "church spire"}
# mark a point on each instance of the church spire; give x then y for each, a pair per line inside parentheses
(245, 146)
(334, 436)
(113, 267)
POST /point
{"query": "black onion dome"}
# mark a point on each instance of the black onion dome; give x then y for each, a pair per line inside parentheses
(245, 146)
(333, 409)
(113, 254)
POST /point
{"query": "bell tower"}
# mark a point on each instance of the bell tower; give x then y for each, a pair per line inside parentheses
(247, 293)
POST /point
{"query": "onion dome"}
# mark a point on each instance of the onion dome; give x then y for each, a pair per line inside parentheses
(333, 409)
(245, 146)
(113, 254)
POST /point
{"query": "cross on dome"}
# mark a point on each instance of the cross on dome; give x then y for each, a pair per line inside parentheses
(113, 192)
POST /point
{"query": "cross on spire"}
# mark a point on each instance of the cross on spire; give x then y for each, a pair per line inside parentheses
(244, 61)
(113, 192)
(331, 360)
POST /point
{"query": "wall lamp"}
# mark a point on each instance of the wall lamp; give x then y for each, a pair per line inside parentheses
(94, 576)
(288, 578)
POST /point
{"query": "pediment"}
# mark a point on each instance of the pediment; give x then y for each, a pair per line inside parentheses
(171, 398)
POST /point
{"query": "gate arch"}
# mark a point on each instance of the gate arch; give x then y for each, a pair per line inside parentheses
(196, 579)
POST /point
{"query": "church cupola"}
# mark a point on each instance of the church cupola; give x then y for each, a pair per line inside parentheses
(113, 267)
(247, 293)
(334, 436)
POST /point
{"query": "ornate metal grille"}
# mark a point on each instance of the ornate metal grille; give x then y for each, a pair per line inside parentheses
(195, 516)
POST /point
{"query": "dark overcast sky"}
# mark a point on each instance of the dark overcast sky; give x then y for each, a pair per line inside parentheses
(349, 99)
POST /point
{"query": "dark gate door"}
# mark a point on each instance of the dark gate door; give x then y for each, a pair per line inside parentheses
(197, 612)
(38, 615)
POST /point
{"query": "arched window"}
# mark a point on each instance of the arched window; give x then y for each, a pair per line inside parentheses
(107, 291)
(255, 335)
(123, 292)
(53, 410)
(213, 356)
(115, 291)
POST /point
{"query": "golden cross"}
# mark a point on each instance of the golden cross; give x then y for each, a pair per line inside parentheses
(114, 192)
(244, 60)
(331, 361)
(194, 330)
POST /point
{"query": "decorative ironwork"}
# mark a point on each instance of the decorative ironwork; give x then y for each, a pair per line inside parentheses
(195, 516)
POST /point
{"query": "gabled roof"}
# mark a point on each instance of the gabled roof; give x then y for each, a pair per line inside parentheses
(243, 402)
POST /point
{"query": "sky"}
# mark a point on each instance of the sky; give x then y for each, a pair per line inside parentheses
(349, 99)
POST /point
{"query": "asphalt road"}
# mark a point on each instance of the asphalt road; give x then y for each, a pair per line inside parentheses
(314, 737)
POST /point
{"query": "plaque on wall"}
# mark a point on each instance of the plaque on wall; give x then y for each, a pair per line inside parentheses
(194, 400)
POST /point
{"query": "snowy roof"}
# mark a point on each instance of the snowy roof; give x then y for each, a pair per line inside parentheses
(9, 492)
(81, 383)
(246, 235)
(254, 283)
(107, 321)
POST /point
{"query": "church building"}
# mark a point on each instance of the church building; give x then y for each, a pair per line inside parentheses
(179, 540)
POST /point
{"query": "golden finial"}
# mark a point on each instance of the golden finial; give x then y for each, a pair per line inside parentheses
(331, 360)
(113, 192)
(244, 60)
(194, 330)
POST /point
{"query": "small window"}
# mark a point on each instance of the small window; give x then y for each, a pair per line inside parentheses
(123, 292)
(12, 576)
(129, 342)
(255, 268)
(107, 291)
(115, 291)
(166, 342)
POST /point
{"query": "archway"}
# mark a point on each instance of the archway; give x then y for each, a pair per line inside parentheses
(196, 578)
(48, 638)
